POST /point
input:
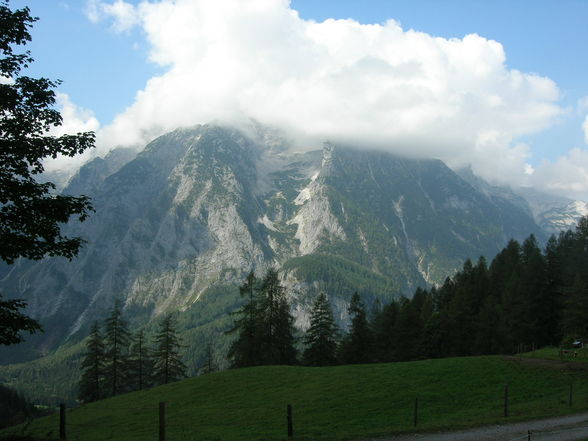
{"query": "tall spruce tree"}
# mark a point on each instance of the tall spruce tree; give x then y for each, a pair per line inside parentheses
(209, 365)
(140, 363)
(276, 322)
(321, 336)
(575, 323)
(538, 299)
(554, 280)
(357, 346)
(408, 332)
(169, 366)
(117, 342)
(91, 386)
(382, 326)
(244, 350)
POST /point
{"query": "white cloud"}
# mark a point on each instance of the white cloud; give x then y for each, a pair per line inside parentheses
(568, 175)
(75, 120)
(123, 14)
(407, 91)
(585, 127)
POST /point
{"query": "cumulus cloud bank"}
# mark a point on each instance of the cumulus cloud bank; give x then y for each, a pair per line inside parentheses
(378, 84)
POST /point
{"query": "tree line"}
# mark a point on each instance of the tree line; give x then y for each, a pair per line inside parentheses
(265, 332)
(117, 361)
(524, 298)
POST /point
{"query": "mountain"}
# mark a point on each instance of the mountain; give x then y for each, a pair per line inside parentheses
(180, 224)
(554, 213)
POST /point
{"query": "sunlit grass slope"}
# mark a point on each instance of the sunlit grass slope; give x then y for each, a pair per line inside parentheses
(343, 402)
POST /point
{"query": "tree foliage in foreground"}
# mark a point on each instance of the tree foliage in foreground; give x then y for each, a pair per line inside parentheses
(31, 215)
(13, 322)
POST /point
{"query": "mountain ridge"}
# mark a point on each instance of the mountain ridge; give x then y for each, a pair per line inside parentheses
(200, 207)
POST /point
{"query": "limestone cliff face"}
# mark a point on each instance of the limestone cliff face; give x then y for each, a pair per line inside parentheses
(201, 207)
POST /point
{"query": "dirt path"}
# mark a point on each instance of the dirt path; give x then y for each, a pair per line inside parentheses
(566, 428)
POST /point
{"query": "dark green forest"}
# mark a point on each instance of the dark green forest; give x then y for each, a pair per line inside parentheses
(525, 298)
(15, 408)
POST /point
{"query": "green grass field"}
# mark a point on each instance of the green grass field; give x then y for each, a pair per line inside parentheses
(336, 403)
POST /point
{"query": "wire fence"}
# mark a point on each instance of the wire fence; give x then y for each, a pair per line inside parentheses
(174, 422)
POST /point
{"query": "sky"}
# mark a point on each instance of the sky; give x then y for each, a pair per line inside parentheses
(501, 86)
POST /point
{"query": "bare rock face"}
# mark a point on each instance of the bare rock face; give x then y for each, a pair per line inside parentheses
(199, 208)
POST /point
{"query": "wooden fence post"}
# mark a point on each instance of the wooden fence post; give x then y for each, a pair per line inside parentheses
(289, 420)
(161, 421)
(62, 434)
(505, 400)
(416, 411)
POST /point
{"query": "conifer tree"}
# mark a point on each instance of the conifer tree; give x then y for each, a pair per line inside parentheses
(92, 379)
(209, 364)
(276, 322)
(554, 280)
(140, 363)
(357, 346)
(537, 298)
(382, 325)
(169, 366)
(321, 336)
(407, 332)
(117, 341)
(575, 323)
(244, 350)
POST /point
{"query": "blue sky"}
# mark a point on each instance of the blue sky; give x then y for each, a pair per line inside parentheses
(103, 68)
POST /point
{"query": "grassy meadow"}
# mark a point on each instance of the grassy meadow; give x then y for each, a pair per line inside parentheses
(332, 403)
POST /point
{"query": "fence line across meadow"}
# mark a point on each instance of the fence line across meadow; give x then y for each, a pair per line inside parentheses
(161, 427)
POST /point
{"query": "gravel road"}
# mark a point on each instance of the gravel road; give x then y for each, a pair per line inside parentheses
(568, 428)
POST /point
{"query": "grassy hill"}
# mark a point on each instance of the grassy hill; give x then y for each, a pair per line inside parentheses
(335, 403)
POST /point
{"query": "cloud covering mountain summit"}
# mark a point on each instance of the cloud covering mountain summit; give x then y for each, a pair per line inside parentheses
(372, 84)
